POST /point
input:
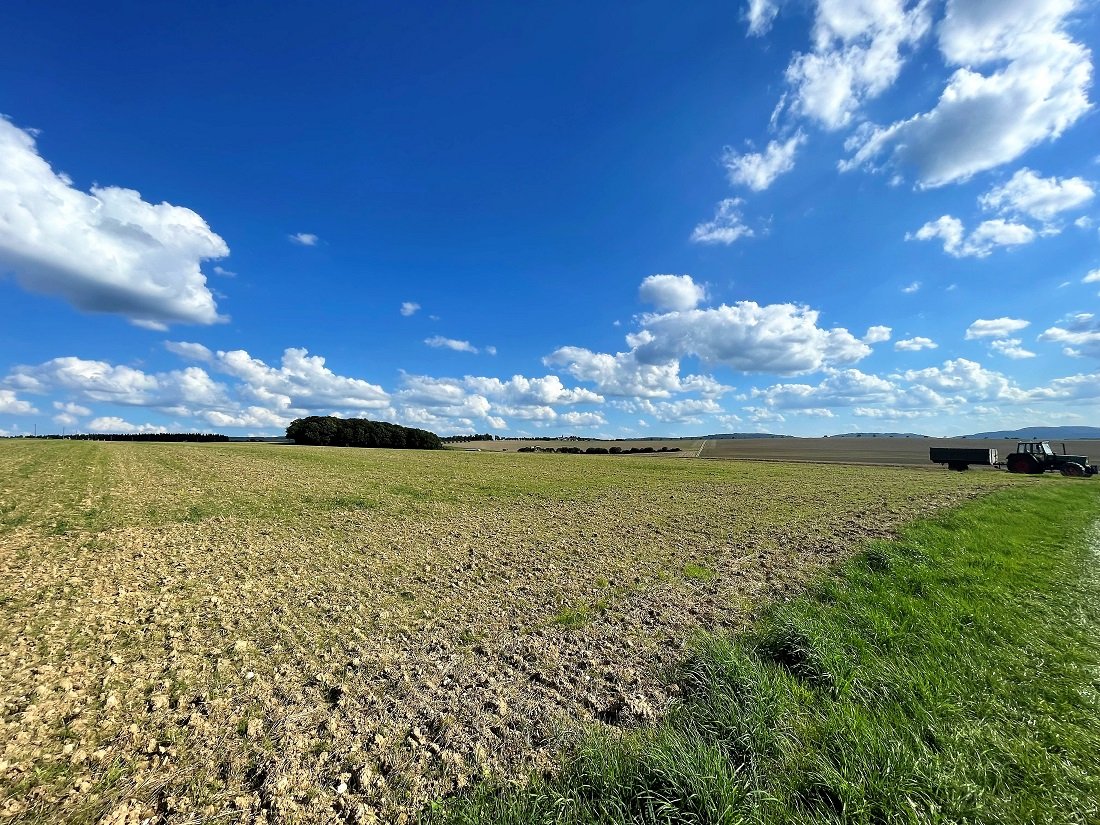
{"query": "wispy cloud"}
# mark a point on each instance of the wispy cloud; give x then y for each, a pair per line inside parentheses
(757, 170)
(727, 225)
(440, 342)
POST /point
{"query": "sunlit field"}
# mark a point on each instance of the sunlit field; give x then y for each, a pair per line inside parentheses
(289, 633)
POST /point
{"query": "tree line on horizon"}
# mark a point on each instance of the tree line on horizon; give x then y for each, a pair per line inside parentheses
(191, 437)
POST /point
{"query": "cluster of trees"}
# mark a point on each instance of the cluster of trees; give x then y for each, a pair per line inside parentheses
(134, 437)
(328, 431)
(598, 450)
(454, 439)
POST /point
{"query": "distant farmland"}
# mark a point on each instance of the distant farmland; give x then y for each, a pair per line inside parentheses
(688, 447)
(908, 452)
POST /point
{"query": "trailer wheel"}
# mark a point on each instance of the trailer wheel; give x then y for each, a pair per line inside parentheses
(1073, 470)
(958, 465)
(1023, 463)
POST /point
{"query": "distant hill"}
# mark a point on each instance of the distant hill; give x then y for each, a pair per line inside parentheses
(877, 435)
(1075, 433)
(745, 435)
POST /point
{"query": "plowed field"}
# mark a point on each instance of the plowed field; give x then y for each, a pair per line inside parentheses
(287, 634)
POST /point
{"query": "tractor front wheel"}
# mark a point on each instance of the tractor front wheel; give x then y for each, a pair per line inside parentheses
(1073, 470)
(1023, 463)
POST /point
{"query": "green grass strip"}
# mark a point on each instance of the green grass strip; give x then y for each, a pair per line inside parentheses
(952, 675)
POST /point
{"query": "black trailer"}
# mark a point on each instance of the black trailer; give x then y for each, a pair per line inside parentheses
(960, 458)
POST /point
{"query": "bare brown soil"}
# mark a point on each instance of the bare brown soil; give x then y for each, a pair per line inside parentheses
(911, 452)
(281, 634)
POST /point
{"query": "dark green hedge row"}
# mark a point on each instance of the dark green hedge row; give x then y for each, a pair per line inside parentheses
(598, 450)
(327, 431)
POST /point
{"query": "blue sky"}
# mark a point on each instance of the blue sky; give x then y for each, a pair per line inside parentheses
(809, 217)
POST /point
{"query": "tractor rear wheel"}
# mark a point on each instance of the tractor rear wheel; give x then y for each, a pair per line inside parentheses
(1023, 463)
(1073, 470)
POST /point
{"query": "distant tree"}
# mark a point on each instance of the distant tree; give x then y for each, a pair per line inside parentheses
(329, 431)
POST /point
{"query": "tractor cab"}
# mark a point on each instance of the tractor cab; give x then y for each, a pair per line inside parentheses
(1037, 457)
(1039, 449)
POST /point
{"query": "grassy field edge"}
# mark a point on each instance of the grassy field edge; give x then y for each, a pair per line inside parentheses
(948, 675)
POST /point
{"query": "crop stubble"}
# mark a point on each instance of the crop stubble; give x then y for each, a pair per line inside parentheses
(302, 634)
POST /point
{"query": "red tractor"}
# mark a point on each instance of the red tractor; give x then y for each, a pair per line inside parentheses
(1037, 457)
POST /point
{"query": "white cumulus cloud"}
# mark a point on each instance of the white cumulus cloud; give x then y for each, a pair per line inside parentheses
(304, 239)
(671, 292)
(877, 334)
(409, 308)
(915, 344)
(71, 408)
(1010, 348)
(1034, 86)
(1041, 198)
(68, 413)
(1078, 333)
(11, 405)
(978, 244)
(301, 382)
(520, 390)
(106, 250)
(857, 55)
(840, 388)
(965, 378)
(780, 338)
(582, 419)
(622, 374)
(114, 424)
(995, 328)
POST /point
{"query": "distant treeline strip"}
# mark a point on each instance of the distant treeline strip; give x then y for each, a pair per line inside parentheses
(132, 437)
(598, 450)
(328, 431)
